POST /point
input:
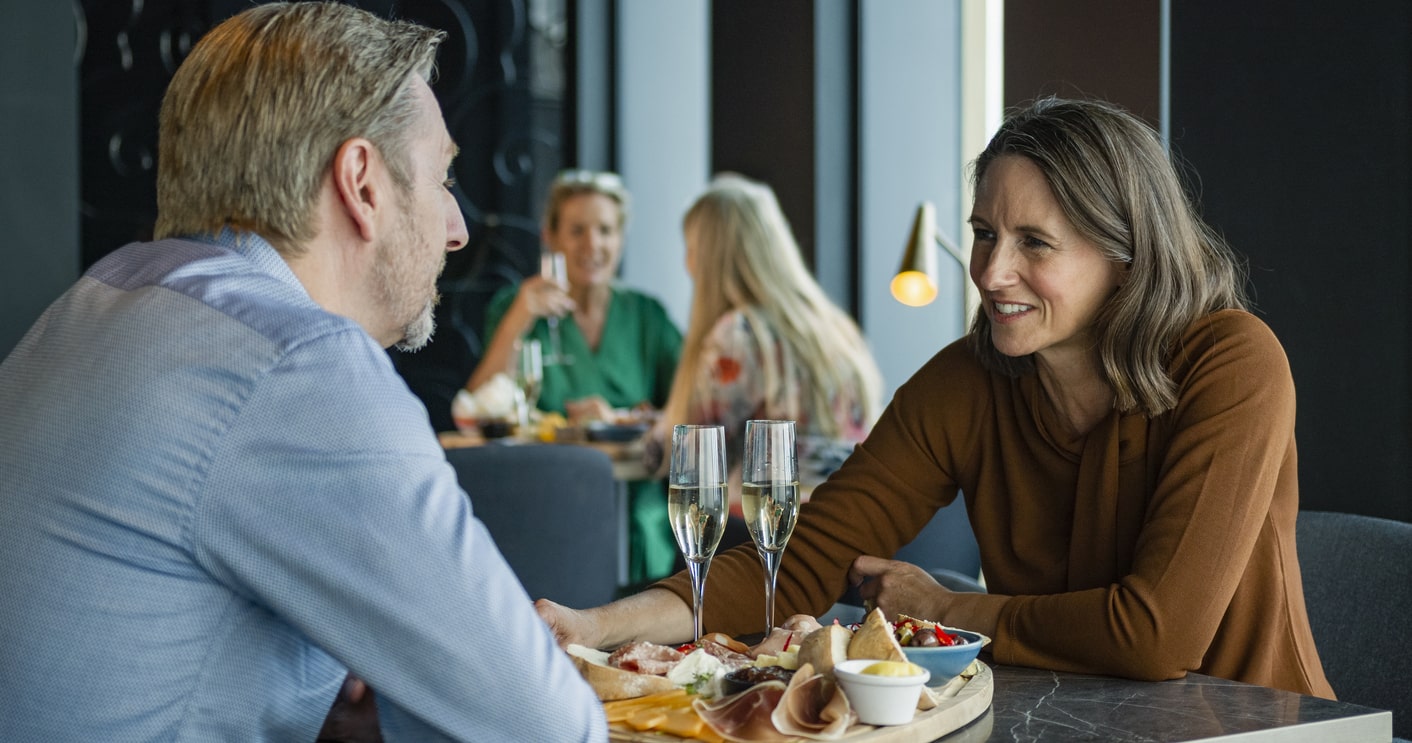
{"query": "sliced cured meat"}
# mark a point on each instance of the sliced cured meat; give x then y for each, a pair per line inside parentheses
(745, 716)
(721, 638)
(729, 657)
(790, 634)
(645, 657)
(801, 624)
(813, 706)
(774, 643)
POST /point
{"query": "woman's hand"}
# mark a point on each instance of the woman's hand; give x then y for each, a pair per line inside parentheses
(570, 626)
(654, 454)
(591, 408)
(655, 615)
(541, 297)
(897, 588)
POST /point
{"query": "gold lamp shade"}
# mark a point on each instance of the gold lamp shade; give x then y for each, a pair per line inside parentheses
(915, 282)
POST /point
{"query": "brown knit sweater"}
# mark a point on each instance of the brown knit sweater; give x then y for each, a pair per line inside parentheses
(1146, 549)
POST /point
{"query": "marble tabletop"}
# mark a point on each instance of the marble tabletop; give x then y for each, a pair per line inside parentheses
(1034, 705)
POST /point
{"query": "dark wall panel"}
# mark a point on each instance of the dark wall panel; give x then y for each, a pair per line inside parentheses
(39, 256)
(1107, 49)
(1296, 117)
(762, 101)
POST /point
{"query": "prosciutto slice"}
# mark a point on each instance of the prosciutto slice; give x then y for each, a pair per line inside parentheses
(745, 717)
(729, 657)
(645, 657)
(791, 633)
(813, 706)
(721, 638)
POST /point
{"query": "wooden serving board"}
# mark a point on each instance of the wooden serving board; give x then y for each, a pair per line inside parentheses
(948, 716)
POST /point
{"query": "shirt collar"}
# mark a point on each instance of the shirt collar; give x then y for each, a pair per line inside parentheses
(255, 249)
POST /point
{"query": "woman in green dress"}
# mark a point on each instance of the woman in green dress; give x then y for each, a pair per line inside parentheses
(619, 346)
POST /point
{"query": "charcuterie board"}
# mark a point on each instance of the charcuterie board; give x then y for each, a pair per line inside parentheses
(950, 714)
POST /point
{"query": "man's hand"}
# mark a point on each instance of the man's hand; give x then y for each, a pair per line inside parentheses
(353, 718)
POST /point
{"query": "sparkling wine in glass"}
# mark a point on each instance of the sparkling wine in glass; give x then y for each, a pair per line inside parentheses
(529, 376)
(553, 268)
(770, 497)
(696, 503)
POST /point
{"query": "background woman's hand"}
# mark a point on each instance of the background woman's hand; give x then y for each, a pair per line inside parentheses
(544, 298)
(897, 588)
(591, 408)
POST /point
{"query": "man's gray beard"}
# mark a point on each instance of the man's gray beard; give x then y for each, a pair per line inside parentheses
(417, 333)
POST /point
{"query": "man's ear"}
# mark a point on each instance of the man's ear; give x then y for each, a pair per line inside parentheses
(354, 166)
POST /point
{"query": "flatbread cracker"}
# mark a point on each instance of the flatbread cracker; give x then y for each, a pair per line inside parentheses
(874, 640)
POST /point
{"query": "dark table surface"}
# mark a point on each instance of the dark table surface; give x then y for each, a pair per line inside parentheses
(1034, 705)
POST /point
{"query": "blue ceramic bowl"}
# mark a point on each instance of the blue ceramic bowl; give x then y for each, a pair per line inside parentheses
(947, 662)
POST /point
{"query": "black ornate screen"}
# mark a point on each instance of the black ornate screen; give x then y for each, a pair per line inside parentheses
(501, 85)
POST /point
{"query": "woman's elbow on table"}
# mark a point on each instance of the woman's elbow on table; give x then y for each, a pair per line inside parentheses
(1156, 664)
(1153, 654)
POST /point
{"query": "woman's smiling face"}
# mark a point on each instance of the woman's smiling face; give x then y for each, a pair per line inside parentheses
(1042, 283)
(589, 234)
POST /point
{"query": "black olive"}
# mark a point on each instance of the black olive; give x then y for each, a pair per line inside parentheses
(925, 639)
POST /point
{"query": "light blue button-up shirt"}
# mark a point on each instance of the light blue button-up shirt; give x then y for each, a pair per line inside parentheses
(217, 499)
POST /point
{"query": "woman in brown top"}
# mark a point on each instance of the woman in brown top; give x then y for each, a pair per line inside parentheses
(1121, 428)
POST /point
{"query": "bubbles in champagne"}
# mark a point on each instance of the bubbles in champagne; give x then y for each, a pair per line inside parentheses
(697, 515)
(771, 510)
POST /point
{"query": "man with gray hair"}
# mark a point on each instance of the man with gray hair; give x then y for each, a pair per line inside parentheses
(219, 504)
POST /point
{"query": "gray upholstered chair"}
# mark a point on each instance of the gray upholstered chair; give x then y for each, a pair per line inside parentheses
(551, 510)
(946, 548)
(1357, 574)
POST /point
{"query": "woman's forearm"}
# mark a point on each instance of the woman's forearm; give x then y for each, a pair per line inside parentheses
(499, 356)
(655, 615)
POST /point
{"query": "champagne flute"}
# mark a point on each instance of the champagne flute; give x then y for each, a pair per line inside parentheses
(529, 375)
(770, 497)
(696, 503)
(553, 268)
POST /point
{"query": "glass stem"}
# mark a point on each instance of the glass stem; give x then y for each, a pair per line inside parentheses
(698, 593)
(771, 559)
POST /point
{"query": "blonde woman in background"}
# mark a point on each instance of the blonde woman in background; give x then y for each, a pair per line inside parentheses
(764, 341)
